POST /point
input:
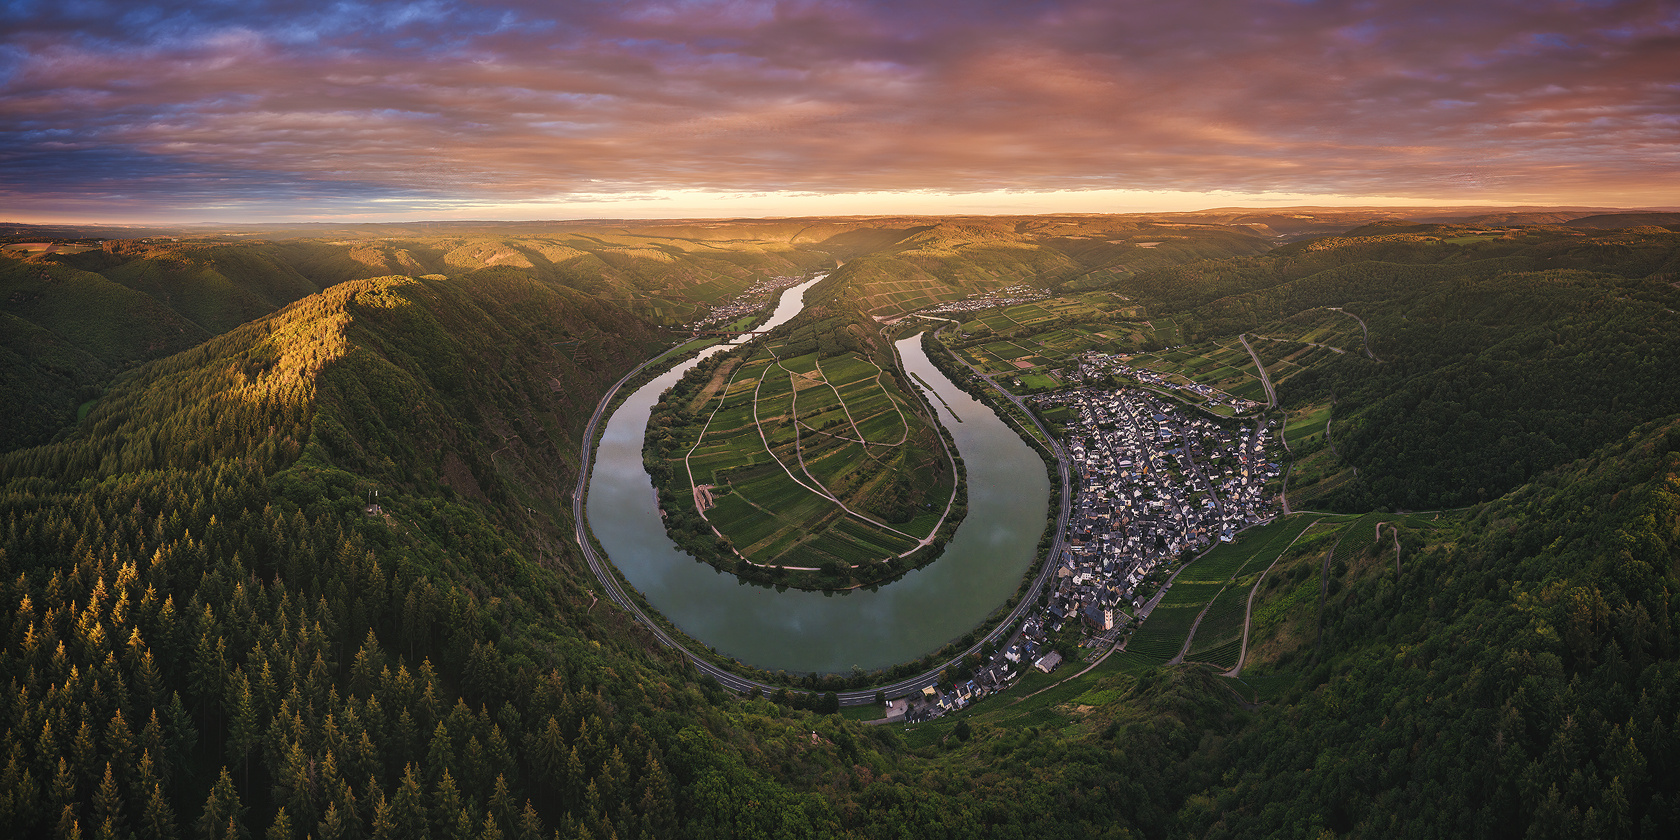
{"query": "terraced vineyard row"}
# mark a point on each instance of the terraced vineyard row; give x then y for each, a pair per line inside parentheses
(1162, 635)
(1221, 629)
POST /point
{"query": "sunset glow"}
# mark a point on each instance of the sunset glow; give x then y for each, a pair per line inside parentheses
(367, 110)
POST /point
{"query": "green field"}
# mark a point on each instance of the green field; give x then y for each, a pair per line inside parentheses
(1021, 344)
(813, 461)
(1304, 423)
(1218, 638)
(1162, 635)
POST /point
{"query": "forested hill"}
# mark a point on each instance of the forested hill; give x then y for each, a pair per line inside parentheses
(75, 320)
(208, 633)
(1494, 354)
(1519, 676)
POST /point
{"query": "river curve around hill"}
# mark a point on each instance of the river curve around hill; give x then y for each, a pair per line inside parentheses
(798, 631)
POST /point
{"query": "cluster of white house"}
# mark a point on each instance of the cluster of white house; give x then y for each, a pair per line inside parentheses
(750, 300)
(1019, 293)
(1153, 483)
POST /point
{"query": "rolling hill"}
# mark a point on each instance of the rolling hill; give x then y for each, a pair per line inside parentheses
(211, 632)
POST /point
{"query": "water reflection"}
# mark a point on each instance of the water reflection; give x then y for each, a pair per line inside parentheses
(793, 630)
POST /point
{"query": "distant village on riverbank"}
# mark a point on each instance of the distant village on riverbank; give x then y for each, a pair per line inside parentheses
(1154, 482)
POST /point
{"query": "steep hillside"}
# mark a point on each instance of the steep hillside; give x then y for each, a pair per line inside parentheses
(98, 309)
(210, 633)
(67, 331)
(955, 258)
(1494, 355)
(1515, 675)
(217, 287)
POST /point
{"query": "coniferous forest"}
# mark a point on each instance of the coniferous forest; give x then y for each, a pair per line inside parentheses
(303, 565)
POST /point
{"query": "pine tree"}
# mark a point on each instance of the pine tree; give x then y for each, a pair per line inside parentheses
(242, 726)
(659, 805)
(119, 742)
(530, 825)
(332, 825)
(294, 784)
(574, 779)
(446, 804)
(501, 802)
(441, 753)
(490, 831)
(224, 815)
(68, 827)
(463, 827)
(83, 753)
(384, 823)
(281, 828)
(408, 808)
(182, 733)
(63, 789)
(157, 819)
(614, 776)
(155, 743)
(548, 753)
(107, 804)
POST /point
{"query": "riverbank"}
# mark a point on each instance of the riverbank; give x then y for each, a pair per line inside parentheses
(855, 635)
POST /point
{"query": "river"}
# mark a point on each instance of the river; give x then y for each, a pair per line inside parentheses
(797, 631)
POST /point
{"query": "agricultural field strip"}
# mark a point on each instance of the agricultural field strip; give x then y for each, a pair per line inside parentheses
(793, 408)
(853, 421)
(723, 397)
(1331, 347)
(1222, 621)
(1169, 637)
(823, 493)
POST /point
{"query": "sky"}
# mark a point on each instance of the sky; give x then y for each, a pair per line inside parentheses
(281, 110)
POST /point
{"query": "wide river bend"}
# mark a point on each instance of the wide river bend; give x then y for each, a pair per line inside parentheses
(797, 631)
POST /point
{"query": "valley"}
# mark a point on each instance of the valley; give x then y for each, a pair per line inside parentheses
(1363, 528)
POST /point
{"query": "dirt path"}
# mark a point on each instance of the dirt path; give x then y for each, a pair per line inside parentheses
(860, 439)
(844, 409)
(723, 396)
(1395, 531)
(1248, 612)
(764, 438)
(1366, 331)
(1266, 380)
(1179, 659)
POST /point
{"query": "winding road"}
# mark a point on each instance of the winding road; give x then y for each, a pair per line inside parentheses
(1271, 395)
(1362, 328)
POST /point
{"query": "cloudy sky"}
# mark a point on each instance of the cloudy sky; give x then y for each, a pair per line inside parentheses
(147, 110)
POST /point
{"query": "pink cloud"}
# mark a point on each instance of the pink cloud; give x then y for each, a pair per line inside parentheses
(519, 100)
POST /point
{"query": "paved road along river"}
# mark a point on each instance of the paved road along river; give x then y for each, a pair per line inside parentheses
(799, 631)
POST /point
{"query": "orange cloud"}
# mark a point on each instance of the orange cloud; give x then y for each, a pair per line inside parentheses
(296, 109)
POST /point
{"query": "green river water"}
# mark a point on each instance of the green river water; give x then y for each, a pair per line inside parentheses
(796, 631)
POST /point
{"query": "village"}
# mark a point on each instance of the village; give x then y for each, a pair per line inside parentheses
(751, 300)
(1155, 483)
(1009, 296)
